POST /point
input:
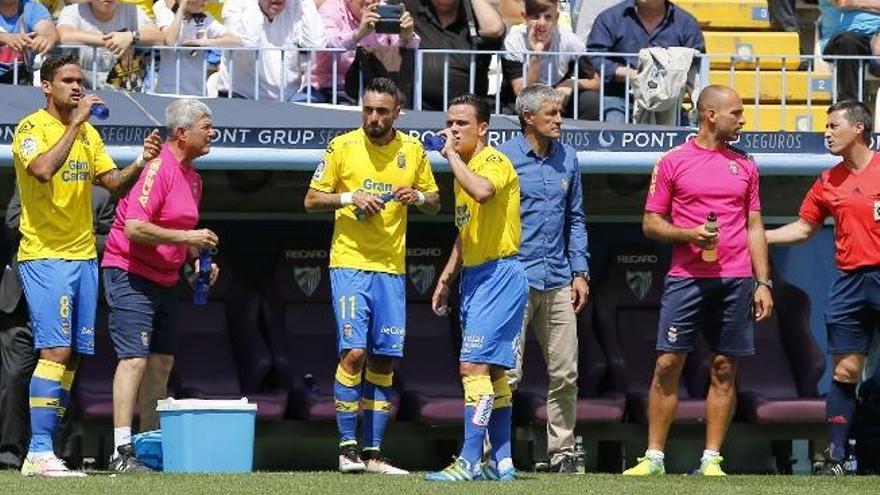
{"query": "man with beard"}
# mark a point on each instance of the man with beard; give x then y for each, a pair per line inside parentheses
(368, 178)
(715, 295)
(58, 155)
(849, 192)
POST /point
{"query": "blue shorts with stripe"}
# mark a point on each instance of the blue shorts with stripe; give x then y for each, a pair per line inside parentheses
(62, 297)
(370, 310)
(493, 305)
(851, 315)
(719, 308)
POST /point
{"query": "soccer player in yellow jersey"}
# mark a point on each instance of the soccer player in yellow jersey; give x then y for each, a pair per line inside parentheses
(58, 155)
(493, 288)
(369, 177)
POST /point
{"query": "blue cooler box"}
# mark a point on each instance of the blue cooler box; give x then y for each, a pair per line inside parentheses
(207, 436)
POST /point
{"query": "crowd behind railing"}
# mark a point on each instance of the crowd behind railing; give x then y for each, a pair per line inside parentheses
(323, 51)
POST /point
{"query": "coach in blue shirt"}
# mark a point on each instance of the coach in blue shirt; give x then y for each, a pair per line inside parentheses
(554, 253)
(627, 28)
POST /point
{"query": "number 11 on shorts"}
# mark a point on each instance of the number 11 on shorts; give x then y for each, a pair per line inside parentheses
(352, 305)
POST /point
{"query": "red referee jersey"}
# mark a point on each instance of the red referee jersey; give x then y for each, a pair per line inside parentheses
(854, 202)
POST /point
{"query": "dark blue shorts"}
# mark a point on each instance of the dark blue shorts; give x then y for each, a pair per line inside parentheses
(493, 306)
(143, 315)
(719, 308)
(62, 297)
(851, 315)
(370, 311)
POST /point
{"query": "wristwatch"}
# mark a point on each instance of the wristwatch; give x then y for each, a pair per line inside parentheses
(135, 37)
(581, 274)
(766, 283)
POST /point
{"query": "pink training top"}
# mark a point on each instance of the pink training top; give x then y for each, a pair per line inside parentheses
(167, 195)
(688, 183)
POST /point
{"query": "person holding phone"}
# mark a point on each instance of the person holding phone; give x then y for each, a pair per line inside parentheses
(359, 24)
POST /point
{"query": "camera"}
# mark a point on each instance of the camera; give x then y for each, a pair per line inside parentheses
(389, 18)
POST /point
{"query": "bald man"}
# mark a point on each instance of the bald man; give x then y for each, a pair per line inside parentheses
(719, 280)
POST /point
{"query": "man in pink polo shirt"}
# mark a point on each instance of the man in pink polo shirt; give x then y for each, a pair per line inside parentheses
(716, 298)
(154, 233)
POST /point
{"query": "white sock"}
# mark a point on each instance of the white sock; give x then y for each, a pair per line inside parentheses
(40, 455)
(655, 455)
(121, 436)
(709, 454)
(505, 464)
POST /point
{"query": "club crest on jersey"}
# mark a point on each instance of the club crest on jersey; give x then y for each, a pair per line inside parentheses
(307, 278)
(422, 277)
(639, 282)
(733, 167)
(401, 160)
(564, 185)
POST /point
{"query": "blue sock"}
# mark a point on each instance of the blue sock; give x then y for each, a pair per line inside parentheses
(840, 406)
(500, 422)
(478, 397)
(377, 408)
(46, 406)
(347, 392)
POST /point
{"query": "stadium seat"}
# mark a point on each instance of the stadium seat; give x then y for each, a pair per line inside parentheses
(428, 374)
(793, 118)
(800, 86)
(300, 325)
(222, 352)
(728, 14)
(744, 48)
(778, 384)
(627, 300)
(593, 405)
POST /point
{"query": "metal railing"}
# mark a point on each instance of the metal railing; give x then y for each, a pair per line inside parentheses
(817, 83)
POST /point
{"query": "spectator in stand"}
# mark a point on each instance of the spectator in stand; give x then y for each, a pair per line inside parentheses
(627, 28)
(278, 28)
(185, 23)
(114, 29)
(541, 33)
(26, 29)
(351, 24)
(455, 25)
(846, 29)
(783, 16)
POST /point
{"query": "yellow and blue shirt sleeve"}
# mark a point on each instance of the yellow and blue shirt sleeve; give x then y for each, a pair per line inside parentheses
(29, 142)
(425, 177)
(326, 174)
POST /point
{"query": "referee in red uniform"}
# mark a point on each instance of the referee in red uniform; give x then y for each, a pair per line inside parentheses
(850, 193)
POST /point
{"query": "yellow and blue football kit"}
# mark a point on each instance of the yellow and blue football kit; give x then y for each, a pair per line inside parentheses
(367, 259)
(493, 284)
(494, 291)
(57, 258)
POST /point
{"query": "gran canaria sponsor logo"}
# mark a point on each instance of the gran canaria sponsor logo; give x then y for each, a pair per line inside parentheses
(76, 171)
(152, 169)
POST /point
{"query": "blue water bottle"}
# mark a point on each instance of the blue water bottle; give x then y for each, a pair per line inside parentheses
(203, 278)
(386, 198)
(434, 142)
(100, 111)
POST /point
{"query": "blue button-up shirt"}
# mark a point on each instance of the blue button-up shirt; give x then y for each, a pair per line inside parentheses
(554, 233)
(619, 30)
